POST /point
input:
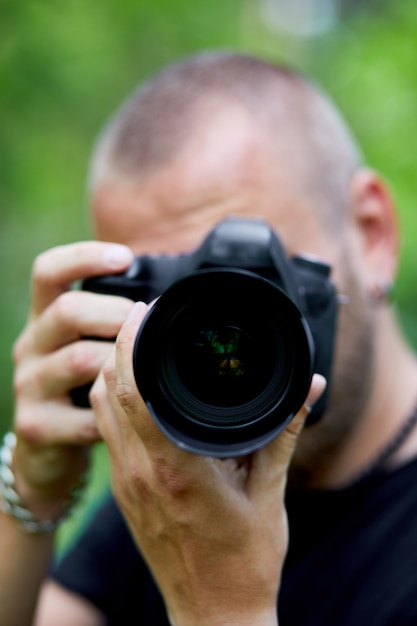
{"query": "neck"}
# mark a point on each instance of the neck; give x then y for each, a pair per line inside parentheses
(393, 398)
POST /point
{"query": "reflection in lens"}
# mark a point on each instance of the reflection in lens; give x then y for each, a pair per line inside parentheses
(224, 348)
(223, 366)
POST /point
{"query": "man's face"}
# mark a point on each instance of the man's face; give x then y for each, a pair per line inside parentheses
(230, 171)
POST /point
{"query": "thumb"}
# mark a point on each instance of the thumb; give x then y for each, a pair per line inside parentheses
(273, 460)
(291, 433)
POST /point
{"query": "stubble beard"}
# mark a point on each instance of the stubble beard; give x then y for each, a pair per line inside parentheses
(352, 381)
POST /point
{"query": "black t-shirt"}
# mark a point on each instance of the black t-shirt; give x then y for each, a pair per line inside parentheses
(352, 560)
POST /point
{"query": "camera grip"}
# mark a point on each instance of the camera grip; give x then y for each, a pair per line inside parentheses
(80, 396)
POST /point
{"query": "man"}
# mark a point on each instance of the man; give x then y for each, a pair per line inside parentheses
(218, 135)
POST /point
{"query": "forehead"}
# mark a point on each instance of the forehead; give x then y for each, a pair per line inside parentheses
(230, 169)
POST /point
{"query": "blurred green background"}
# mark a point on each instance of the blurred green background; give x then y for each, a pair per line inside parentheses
(65, 66)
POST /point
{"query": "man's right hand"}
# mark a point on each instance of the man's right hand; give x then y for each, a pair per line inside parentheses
(51, 359)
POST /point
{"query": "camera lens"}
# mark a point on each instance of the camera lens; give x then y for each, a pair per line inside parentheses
(223, 361)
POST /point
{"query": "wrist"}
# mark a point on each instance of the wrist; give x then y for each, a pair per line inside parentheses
(44, 516)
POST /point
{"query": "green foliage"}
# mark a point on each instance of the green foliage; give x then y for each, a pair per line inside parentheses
(65, 66)
(369, 66)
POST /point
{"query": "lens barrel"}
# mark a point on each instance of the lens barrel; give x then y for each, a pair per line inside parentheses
(223, 361)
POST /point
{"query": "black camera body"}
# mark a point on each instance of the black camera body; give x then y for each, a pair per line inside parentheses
(225, 356)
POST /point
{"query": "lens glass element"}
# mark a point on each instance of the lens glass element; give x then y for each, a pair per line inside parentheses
(223, 365)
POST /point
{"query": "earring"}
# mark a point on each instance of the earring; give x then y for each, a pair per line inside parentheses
(383, 291)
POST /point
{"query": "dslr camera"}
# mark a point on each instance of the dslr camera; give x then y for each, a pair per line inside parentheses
(225, 356)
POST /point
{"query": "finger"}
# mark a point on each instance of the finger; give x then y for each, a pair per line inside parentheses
(59, 372)
(113, 423)
(55, 270)
(317, 387)
(126, 389)
(104, 412)
(127, 392)
(272, 461)
(72, 316)
(56, 423)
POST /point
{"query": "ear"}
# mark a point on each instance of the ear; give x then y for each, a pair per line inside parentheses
(375, 219)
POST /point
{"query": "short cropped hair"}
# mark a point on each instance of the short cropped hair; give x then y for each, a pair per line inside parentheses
(159, 118)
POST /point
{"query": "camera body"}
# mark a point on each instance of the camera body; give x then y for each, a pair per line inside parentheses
(225, 356)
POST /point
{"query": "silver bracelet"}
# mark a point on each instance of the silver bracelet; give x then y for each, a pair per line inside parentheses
(12, 505)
